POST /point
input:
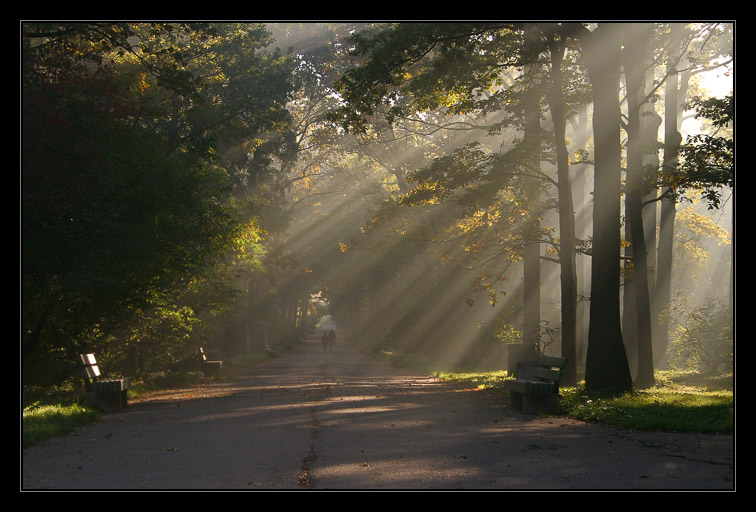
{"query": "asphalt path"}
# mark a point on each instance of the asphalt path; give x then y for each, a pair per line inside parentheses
(311, 420)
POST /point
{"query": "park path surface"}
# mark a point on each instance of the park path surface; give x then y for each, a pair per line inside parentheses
(312, 420)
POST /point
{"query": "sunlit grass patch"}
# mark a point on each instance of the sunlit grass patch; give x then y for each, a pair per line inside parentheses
(42, 422)
(659, 409)
(482, 380)
(685, 378)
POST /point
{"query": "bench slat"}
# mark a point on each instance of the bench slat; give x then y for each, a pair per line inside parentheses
(112, 385)
(529, 387)
(548, 374)
(90, 366)
(553, 361)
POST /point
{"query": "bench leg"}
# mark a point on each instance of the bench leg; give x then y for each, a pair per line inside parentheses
(515, 400)
(108, 400)
(540, 404)
(212, 368)
(90, 398)
(112, 401)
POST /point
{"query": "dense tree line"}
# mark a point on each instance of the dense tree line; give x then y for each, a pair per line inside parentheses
(142, 145)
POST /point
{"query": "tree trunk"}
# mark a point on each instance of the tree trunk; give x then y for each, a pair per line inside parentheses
(568, 271)
(672, 141)
(606, 362)
(637, 37)
(532, 235)
(582, 217)
(650, 123)
(629, 313)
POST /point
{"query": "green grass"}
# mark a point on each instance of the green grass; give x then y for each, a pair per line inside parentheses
(46, 421)
(680, 402)
(657, 409)
(482, 380)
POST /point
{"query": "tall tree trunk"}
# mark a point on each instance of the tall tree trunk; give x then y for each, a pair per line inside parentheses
(650, 123)
(672, 141)
(532, 242)
(606, 363)
(582, 218)
(636, 49)
(568, 271)
(532, 284)
(629, 311)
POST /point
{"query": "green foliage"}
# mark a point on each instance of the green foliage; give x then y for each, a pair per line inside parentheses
(709, 159)
(130, 184)
(507, 333)
(418, 67)
(503, 328)
(702, 337)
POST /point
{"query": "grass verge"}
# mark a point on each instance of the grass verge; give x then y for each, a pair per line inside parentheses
(680, 402)
(657, 409)
(46, 421)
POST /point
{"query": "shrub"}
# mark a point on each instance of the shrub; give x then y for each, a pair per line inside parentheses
(702, 339)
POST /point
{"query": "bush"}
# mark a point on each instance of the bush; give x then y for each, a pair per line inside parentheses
(703, 337)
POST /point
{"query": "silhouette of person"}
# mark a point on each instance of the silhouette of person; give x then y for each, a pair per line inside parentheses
(331, 340)
(324, 341)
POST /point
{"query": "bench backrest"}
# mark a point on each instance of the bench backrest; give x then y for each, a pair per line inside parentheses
(91, 369)
(550, 368)
(547, 374)
(553, 361)
(202, 353)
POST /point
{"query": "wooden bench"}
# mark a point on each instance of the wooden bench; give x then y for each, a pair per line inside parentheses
(210, 368)
(110, 394)
(536, 387)
(270, 352)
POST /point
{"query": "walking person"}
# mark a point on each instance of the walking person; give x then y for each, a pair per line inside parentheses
(331, 340)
